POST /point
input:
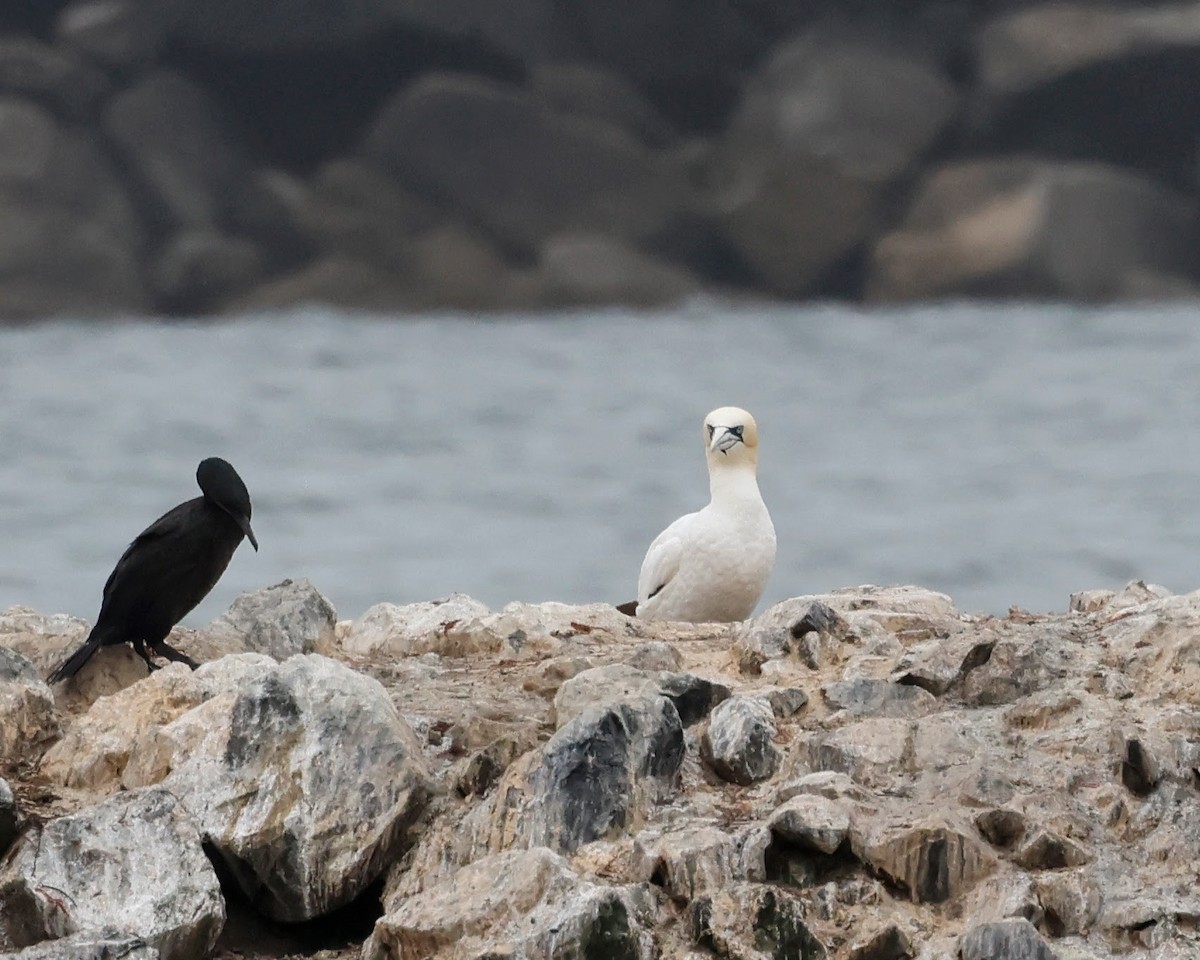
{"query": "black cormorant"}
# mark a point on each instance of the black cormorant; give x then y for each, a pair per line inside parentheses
(169, 569)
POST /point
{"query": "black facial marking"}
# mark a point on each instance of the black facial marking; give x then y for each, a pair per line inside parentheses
(657, 590)
(711, 428)
(737, 431)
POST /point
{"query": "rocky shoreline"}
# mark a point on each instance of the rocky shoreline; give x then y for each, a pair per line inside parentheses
(864, 775)
(397, 155)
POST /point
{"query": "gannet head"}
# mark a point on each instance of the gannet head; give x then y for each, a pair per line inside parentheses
(730, 437)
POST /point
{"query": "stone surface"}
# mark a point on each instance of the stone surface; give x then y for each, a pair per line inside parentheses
(1078, 231)
(822, 129)
(29, 722)
(147, 875)
(867, 697)
(811, 821)
(745, 922)
(1015, 939)
(9, 816)
(737, 744)
(70, 87)
(283, 620)
(197, 269)
(579, 270)
(108, 944)
(529, 900)
(933, 862)
(552, 173)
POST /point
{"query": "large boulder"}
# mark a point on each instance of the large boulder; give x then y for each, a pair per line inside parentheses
(526, 903)
(29, 722)
(823, 130)
(69, 238)
(505, 160)
(589, 269)
(68, 86)
(1069, 231)
(134, 863)
(1086, 81)
(282, 620)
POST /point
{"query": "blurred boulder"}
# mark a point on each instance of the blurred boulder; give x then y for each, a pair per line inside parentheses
(1108, 82)
(522, 171)
(117, 34)
(198, 268)
(69, 237)
(995, 228)
(589, 90)
(823, 130)
(67, 85)
(587, 269)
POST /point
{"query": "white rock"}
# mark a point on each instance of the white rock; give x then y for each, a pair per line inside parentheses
(28, 720)
(281, 621)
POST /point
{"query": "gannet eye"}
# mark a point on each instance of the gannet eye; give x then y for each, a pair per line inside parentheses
(737, 431)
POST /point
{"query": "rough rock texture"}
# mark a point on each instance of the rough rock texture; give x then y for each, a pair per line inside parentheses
(93, 945)
(738, 743)
(28, 719)
(133, 862)
(944, 783)
(281, 621)
(9, 816)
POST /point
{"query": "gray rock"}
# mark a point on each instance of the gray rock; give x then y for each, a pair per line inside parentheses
(811, 821)
(692, 696)
(866, 697)
(1015, 668)
(824, 127)
(69, 238)
(890, 943)
(737, 744)
(932, 861)
(787, 702)
(655, 655)
(536, 907)
(1070, 902)
(199, 268)
(755, 922)
(554, 174)
(118, 34)
(29, 722)
(938, 664)
(1074, 231)
(688, 861)
(582, 269)
(1010, 939)
(107, 944)
(9, 816)
(874, 752)
(148, 876)
(282, 620)
(68, 86)
(588, 90)
(305, 783)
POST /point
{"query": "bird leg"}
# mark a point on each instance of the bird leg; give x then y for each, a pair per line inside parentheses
(139, 647)
(164, 649)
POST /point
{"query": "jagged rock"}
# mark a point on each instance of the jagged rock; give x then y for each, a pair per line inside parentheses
(853, 616)
(1001, 828)
(806, 185)
(70, 87)
(737, 744)
(873, 752)
(932, 861)
(556, 173)
(9, 816)
(689, 861)
(938, 664)
(1070, 903)
(146, 874)
(29, 722)
(70, 239)
(823, 783)
(655, 655)
(123, 740)
(526, 903)
(107, 944)
(282, 620)
(811, 821)
(1011, 939)
(866, 697)
(890, 943)
(692, 696)
(1046, 850)
(1140, 771)
(305, 783)
(1154, 646)
(1015, 668)
(787, 701)
(755, 922)
(998, 227)
(583, 269)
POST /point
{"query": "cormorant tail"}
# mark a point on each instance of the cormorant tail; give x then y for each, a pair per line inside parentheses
(74, 663)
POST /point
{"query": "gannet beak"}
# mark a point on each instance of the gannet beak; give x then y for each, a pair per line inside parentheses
(725, 438)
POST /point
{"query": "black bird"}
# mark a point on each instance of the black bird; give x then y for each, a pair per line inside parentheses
(169, 569)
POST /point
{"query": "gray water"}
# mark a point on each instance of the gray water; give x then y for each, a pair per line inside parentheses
(1005, 455)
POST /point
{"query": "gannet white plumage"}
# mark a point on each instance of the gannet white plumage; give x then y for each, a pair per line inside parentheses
(712, 565)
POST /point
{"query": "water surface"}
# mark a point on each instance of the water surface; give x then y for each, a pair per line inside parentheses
(1006, 455)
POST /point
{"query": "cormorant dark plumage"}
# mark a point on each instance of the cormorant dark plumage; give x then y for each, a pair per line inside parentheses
(169, 568)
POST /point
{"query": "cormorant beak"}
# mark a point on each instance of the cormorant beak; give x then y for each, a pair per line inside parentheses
(724, 438)
(244, 523)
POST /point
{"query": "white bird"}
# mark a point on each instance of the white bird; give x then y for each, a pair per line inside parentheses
(712, 565)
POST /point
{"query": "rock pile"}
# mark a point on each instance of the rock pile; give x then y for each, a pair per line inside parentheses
(864, 775)
(162, 156)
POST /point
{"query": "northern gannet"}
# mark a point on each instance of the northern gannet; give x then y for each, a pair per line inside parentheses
(712, 565)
